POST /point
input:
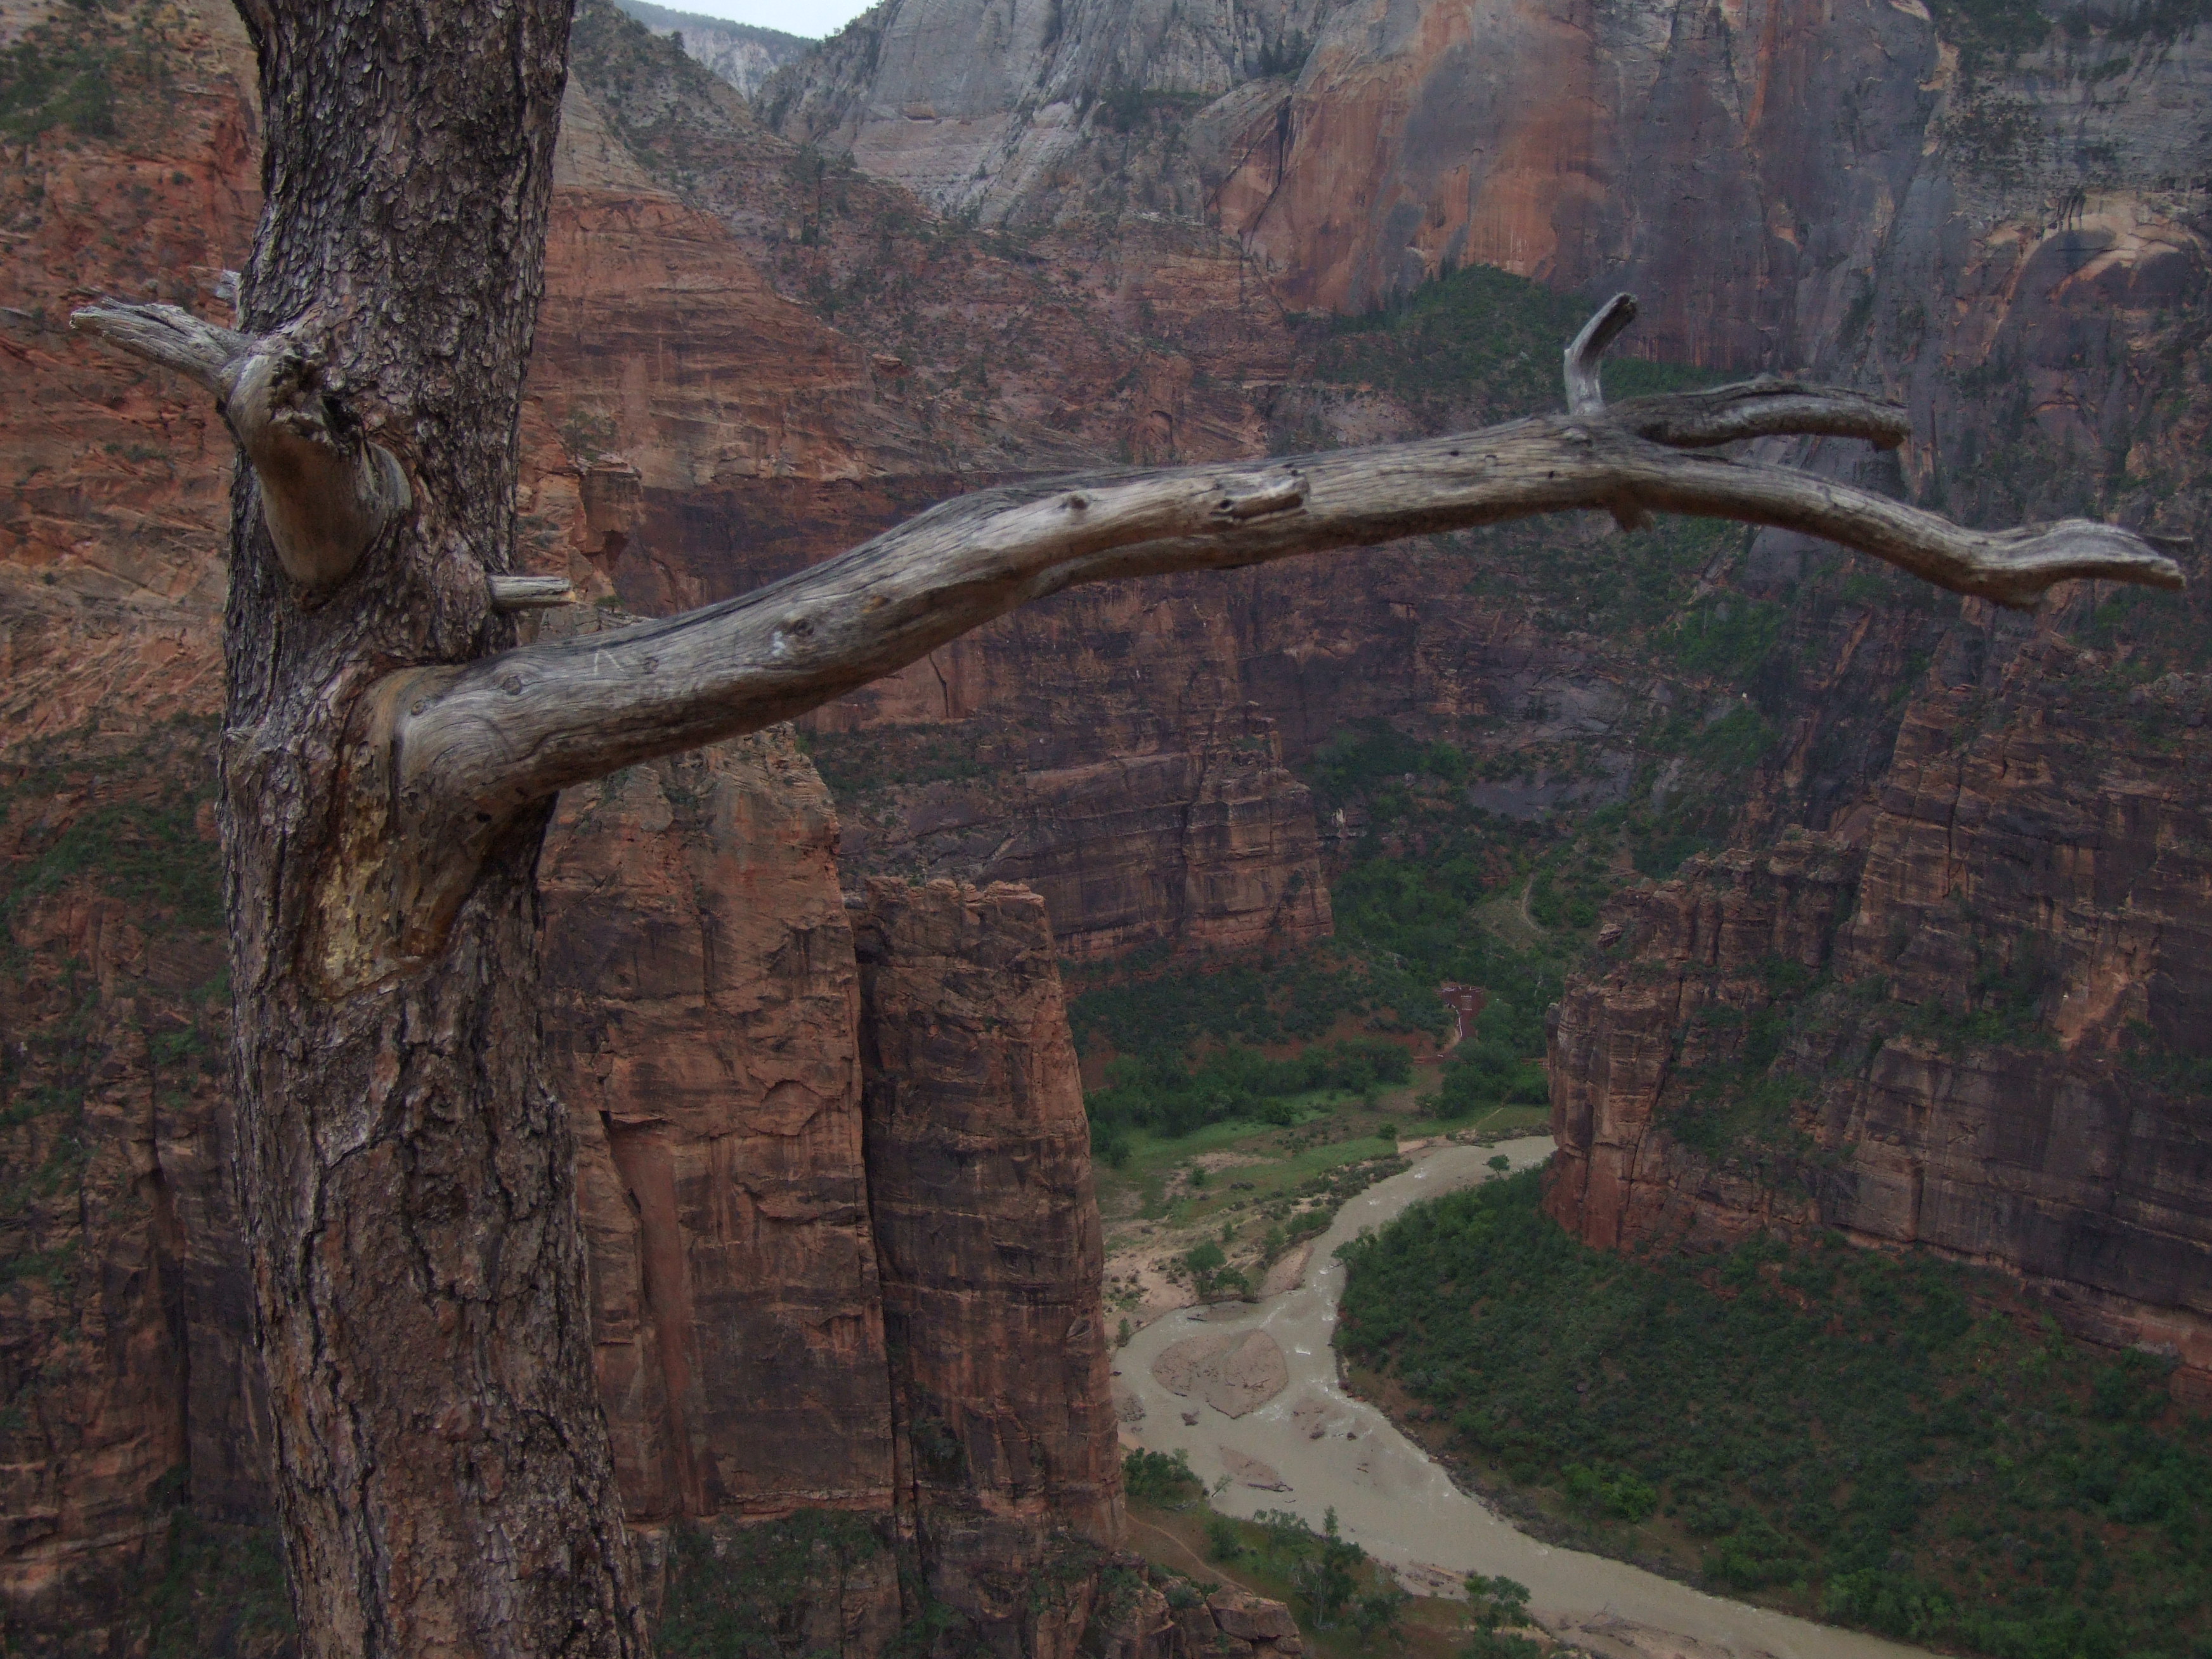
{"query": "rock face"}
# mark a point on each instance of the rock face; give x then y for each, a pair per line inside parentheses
(1211, 848)
(844, 1249)
(122, 1310)
(703, 1015)
(742, 54)
(990, 108)
(1138, 1621)
(756, 1222)
(1980, 1016)
(988, 1234)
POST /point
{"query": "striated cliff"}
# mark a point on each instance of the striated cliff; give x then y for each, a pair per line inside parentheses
(987, 1233)
(844, 1250)
(1042, 112)
(704, 1023)
(756, 1222)
(1974, 1019)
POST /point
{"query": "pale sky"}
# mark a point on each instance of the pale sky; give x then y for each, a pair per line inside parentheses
(811, 18)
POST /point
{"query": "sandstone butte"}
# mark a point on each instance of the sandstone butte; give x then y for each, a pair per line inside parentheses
(750, 356)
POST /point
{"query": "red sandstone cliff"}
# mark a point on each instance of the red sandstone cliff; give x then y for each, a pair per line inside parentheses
(750, 1221)
(702, 1016)
(988, 1234)
(1965, 1022)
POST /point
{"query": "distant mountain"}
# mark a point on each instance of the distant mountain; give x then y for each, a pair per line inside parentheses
(744, 54)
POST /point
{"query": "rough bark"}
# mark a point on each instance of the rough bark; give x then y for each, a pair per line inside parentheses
(442, 1469)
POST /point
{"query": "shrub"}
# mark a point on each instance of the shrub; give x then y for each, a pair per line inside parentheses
(1153, 1477)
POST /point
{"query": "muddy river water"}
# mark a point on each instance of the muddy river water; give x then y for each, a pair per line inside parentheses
(1329, 1450)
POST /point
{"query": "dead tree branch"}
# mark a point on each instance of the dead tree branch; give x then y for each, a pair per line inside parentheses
(510, 729)
(326, 492)
(449, 756)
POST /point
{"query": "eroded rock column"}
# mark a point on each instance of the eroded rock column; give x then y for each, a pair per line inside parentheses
(988, 1236)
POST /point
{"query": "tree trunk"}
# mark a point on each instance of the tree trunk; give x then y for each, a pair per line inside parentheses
(442, 1471)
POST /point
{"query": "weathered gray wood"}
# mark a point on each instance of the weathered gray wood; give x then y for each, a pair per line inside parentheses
(454, 755)
(326, 493)
(1585, 353)
(504, 732)
(530, 593)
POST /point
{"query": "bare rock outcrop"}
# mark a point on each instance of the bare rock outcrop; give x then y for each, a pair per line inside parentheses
(1232, 1374)
(703, 1018)
(1211, 848)
(979, 1174)
(1971, 1010)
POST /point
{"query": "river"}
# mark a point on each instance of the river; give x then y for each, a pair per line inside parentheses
(1400, 1506)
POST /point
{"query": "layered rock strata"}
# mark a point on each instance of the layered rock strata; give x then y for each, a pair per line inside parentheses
(1979, 1014)
(987, 1237)
(703, 1022)
(744, 54)
(756, 1222)
(1212, 847)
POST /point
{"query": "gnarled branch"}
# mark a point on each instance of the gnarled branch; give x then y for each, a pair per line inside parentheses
(530, 593)
(510, 729)
(446, 758)
(1586, 352)
(326, 492)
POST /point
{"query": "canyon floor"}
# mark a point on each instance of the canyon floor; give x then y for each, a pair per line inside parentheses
(1246, 1188)
(1311, 1449)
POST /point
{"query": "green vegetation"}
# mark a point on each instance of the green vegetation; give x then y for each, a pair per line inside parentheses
(743, 1592)
(1497, 1607)
(60, 74)
(1887, 1441)
(857, 764)
(221, 1592)
(1185, 1043)
(1172, 1097)
(1415, 913)
(1125, 107)
(1151, 1477)
(139, 841)
(1480, 336)
(1723, 638)
(2152, 1062)
(1150, 1008)
(1329, 1581)
(1990, 29)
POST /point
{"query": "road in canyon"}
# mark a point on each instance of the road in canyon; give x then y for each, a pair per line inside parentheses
(1331, 1451)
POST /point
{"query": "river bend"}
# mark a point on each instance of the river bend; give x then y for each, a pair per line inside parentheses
(1400, 1505)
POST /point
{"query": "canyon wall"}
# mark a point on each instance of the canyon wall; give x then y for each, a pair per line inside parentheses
(2001, 217)
(756, 1222)
(742, 54)
(988, 1233)
(1976, 1018)
(703, 1022)
(836, 1179)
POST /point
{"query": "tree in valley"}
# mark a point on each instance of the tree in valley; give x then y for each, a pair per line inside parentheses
(390, 756)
